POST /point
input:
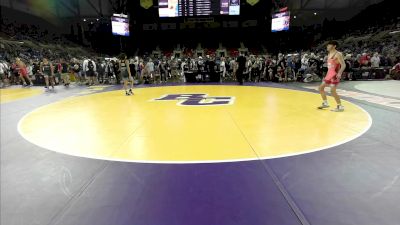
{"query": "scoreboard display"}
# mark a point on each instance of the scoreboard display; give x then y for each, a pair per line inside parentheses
(280, 21)
(120, 25)
(188, 8)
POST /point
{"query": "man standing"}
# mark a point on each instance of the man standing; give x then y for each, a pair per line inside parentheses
(336, 66)
(101, 69)
(64, 73)
(150, 69)
(222, 68)
(89, 67)
(241, 60)
(76, 71)
(211, 70)
(126, 74)
(3, 74)
(200, 68)
(375, 61)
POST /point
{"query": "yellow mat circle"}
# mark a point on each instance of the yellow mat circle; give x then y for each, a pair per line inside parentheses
(181, 124)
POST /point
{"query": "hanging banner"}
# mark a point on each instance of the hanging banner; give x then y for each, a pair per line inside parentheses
(146, 3)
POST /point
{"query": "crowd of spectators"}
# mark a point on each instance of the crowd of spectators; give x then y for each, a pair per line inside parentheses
(302, 67)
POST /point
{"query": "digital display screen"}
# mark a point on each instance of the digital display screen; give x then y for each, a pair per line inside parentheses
(120, 26)
(280, 21)
(187, 8)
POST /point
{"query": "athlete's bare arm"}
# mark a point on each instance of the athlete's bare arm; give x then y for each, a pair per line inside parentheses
(340, 59)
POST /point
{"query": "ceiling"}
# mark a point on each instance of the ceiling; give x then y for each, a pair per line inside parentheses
(303, 9)
(315, 11)
(64, 8)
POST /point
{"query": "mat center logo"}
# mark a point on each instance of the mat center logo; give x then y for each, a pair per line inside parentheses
(197, 99)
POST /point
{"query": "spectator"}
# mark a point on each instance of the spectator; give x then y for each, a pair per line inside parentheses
(348, 72)
(150, 69)
(91, 72)
(101, 70)
(375, 61)
(65, 73)
(241, 61)
(222, 66)
(365, 60)
(3, 74)
(281, 67)
(75, 70)
(116, 71)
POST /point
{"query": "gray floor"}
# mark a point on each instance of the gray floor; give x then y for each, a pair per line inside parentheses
(390, 88)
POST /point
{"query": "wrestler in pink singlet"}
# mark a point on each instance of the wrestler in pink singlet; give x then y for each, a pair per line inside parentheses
(333, 68)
